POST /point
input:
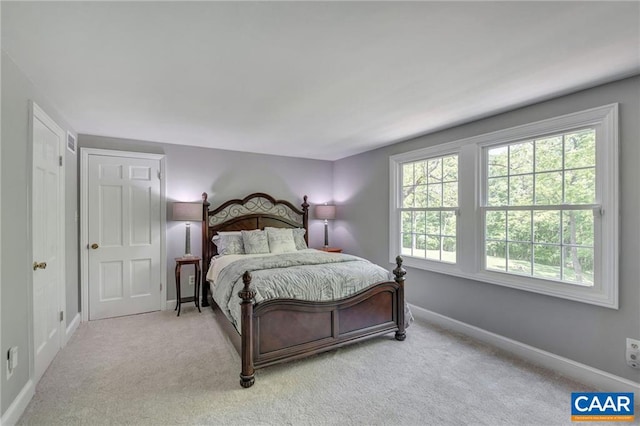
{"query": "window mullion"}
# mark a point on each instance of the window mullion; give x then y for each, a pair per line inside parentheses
(469, 223)
(531, 229)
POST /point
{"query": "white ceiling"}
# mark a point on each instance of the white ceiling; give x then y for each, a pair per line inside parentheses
(318, 80)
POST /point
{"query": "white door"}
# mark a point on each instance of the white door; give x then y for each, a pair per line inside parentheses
(48, 239)
(124, 222)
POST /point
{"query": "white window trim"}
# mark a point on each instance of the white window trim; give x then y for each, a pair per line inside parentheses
(470, 244)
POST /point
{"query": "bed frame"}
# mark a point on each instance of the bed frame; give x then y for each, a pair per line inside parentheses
(280, 330)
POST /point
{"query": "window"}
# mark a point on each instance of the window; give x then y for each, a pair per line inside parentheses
(540, 206)
(533, 207)
(429, 205)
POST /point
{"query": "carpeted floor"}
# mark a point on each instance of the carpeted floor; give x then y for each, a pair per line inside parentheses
(159, 369)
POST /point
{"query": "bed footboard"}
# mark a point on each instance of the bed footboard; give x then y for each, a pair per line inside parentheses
(285, 329)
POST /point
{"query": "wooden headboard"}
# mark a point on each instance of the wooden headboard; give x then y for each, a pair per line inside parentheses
(255, 211)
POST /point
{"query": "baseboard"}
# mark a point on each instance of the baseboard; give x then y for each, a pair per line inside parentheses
(17, 407)
(581, 372)
(71, 328)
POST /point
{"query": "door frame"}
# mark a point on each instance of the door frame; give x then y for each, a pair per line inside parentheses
(84, 222)
(36, 111)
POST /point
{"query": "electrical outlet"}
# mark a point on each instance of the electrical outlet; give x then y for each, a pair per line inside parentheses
(192, 279)
(12, 360)
(633, 353)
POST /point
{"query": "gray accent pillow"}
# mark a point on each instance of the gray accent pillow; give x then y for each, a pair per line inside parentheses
(298, 238)
(281, 240)
(229, 243)
(255, 242)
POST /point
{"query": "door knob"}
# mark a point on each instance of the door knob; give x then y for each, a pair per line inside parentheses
(41, 265)
(94, 246)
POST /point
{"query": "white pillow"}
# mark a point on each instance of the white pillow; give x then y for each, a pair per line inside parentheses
(298, 236)
(225, 233)
(281, 240)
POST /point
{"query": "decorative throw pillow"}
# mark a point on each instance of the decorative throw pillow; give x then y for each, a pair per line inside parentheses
(281, 240)
(229, 243)
(255, 242)
(298, 238)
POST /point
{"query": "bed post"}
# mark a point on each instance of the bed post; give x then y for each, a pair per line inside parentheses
(400, 272)
(247, 377)
(205, 248)
(305, 218)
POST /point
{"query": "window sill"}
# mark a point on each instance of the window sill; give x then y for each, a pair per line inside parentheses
(594, 295)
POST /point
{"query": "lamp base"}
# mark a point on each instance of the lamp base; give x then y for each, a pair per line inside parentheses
(326, 233)
(187, 241)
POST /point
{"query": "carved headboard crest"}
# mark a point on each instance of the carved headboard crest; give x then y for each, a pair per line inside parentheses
(255, 204)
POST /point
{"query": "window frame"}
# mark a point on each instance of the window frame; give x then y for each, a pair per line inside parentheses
(472, 178)
(395, 226)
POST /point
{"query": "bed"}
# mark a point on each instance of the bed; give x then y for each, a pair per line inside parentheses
(270, 331)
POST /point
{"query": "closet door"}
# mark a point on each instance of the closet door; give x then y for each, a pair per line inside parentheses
(47, 229)
(124, 235)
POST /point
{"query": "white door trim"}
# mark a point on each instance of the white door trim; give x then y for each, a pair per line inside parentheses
(84, 228)
(36, 111)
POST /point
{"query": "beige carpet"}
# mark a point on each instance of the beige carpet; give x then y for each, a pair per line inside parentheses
(159, 369)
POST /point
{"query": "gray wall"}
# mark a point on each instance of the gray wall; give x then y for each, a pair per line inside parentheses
(585, 333)
(225, 175)
(17, 90)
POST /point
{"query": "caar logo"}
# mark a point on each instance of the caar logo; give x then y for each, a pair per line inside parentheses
(601, 407)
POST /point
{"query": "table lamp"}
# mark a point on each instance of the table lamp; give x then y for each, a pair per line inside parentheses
(187, 212)
(325, 212)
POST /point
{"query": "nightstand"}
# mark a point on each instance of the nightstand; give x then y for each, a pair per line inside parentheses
(191, 260)
(331, 249)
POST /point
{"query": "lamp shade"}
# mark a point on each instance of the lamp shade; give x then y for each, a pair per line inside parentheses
(187, 211)
(325, 212)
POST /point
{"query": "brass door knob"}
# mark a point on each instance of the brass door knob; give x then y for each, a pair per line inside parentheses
(94, 246)
(41, 265)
